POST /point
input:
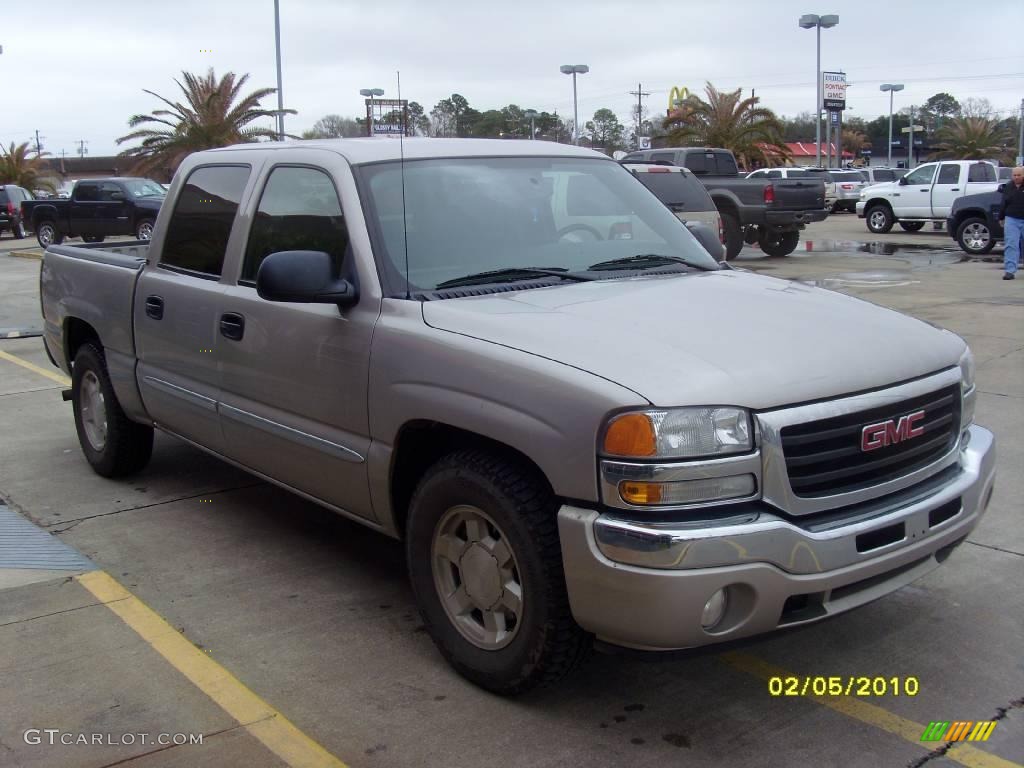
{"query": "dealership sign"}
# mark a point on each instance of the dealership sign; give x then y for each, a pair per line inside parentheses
(834, 90)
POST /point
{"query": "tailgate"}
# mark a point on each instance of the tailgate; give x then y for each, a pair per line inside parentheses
(798, 194)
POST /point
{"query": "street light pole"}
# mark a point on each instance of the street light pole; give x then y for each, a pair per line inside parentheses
(280, 89)
(891, 88)
(809, 21)
(370, 93)
(574, 69)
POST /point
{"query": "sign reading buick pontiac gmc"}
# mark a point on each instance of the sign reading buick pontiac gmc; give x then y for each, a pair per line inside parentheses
(833, 91)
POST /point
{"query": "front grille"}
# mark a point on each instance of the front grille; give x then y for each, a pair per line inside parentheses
(825, 457)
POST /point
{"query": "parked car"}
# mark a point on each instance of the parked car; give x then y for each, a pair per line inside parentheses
(880, 175)
(11, 198)
(768, 212)
(842, 188)
(98, 208)
(512, 357)
(925, 194)
(974, 222)
(1004, 173)
(682, 192)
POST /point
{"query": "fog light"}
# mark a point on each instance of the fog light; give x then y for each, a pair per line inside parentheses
(687, 491)
(714, 609)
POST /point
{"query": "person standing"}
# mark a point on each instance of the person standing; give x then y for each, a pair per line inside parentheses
(1011, 214)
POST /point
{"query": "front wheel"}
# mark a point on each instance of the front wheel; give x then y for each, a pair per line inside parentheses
(18, 230)
(113, 444)
(486, 568)
(974, 236)
(778, 243)
(880, 219)
(912, 226)
(48, 234)
(144, 229)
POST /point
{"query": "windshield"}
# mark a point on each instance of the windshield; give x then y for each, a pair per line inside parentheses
(143, 188)
(468, 215)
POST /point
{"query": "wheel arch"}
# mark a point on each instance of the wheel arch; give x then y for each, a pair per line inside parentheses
(76, 333)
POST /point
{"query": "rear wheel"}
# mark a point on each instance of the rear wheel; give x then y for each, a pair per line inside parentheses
(779, 243)
(144, 229)
(113, 444)
(974, 236)
(486, 568)
(912, 226)
(880, 219)
(733, 235)
(48, 234)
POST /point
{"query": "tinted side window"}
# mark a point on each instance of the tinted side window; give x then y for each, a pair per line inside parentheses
(636, 157)
(726, 164)
(110, 191)
(299, 211)
(87, 192)
(661, 157)
(675, 189)
(949, 173)
(981, 172)
(884, 176)
(774, 174)
(695, 162)
(197, 234)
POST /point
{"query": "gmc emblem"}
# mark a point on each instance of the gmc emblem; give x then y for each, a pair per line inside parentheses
(886, 433)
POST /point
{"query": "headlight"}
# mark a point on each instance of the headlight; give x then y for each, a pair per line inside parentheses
(679, 433)
(967, 389)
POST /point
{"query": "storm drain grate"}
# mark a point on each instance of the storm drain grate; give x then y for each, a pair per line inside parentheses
(23, 545)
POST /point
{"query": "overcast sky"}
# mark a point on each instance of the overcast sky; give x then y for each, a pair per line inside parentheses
(80, 74)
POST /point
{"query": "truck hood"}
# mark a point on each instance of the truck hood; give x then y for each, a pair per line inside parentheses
(726, 337)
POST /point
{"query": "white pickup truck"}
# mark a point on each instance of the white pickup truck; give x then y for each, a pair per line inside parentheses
(925, 194)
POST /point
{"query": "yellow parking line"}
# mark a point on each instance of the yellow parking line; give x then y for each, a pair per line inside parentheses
(58, 377)
(259, 718)
(872, 715)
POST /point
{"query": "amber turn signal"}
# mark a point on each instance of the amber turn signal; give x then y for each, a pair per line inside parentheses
(640, 493)
(631, 435)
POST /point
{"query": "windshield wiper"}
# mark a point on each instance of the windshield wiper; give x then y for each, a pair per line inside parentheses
(640, 261)
(510, 274)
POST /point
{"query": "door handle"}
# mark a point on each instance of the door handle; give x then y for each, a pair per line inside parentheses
(155, 307)
(955, 189)
(232, 326)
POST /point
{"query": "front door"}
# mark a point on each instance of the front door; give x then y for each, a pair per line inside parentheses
(915, 201)
(947, 189)
(294, 401)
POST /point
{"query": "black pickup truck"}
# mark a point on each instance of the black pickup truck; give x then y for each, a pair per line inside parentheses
(770, 213)
(974, 222)
(97, 208)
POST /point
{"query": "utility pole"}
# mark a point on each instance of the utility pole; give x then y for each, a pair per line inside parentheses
(910, 149)
(82, 151)
(639, 93)
(39, 147)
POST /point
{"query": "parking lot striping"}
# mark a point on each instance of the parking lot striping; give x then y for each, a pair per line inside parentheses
(871, 714)
(57, 377)
(274, 730)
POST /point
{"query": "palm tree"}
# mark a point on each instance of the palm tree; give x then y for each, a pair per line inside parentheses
(753, 133)
(971, 138)
(213, 115)
(17, 168)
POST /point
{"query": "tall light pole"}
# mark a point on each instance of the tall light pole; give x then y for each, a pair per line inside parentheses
(814, 21)
(891, 88)
(531, 115)
(574, 69)
(280, 89)
(370, 93)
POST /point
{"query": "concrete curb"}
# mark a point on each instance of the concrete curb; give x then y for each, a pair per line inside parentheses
(26, 253)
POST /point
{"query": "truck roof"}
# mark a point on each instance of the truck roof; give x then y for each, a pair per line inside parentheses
(372, 150)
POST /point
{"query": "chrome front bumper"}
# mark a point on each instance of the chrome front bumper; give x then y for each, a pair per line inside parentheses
(644, 585)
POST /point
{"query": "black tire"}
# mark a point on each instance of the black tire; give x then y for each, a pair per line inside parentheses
(144, 229)
(48, 233)
(912, 226)
(879, 219)
(18, 230)
(127, 446)
(94, 238)
(778, 243)
(974, 236)
(733, 235)
(547, 643)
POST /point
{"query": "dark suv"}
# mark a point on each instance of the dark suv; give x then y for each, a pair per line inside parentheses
(11, 198)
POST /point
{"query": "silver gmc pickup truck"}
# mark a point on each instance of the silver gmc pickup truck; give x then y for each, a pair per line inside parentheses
(514, 358)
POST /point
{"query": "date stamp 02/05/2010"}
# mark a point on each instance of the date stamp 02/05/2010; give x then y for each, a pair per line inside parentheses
(843, 685)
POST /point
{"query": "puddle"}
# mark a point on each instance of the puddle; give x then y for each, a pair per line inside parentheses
(875, 279)
(879, 248)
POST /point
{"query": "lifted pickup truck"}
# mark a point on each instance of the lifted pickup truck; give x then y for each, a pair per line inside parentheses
(496, 351)
(974, 222)
(926, 194)
(770, 213)
(97, 208)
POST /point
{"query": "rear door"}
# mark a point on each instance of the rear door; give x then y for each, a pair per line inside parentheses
(947, 188)
(83, 208)
(914, 199)
(295, 375)
(178, 302)
(113, 212)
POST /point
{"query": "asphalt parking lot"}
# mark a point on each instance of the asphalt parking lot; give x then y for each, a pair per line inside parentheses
(214, 604)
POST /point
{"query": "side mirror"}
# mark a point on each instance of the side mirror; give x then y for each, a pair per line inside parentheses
(303, 276)
(903, 181)
(708, 238)
(1001, 188)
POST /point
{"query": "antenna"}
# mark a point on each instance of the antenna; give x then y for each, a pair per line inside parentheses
(401, 154)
